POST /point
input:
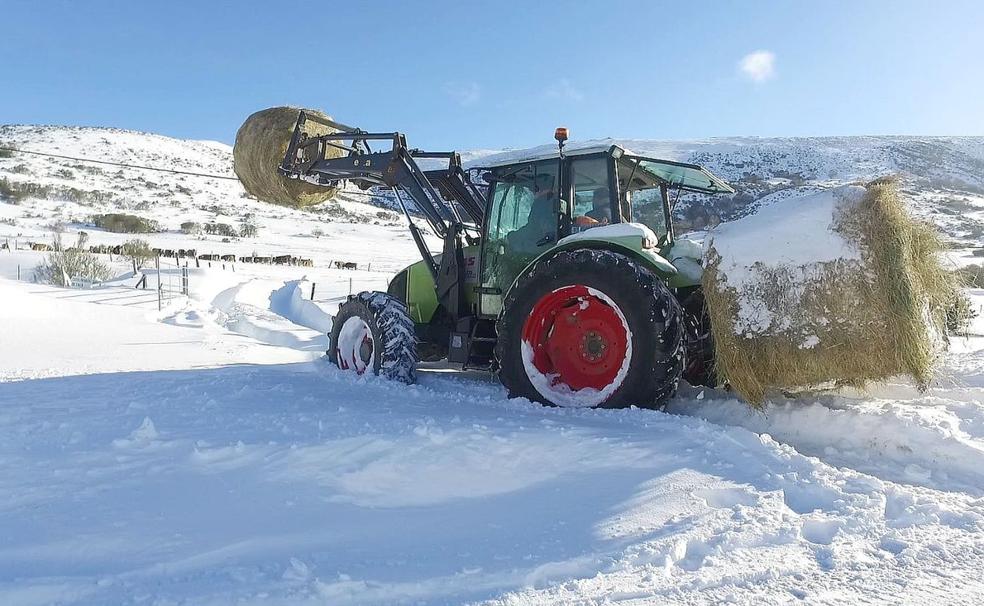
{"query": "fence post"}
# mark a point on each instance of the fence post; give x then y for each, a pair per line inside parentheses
(350, 287)
(18, 271)
(158, 262)
(312, 290)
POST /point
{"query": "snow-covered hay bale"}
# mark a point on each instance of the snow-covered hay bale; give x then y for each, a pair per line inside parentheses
(838, 286)
(260, 147)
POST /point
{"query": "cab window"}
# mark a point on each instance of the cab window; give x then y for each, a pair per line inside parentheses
(592, 197)
(522, 222)
(641, 198)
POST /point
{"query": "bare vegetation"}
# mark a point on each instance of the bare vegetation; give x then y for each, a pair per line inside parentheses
(138, 252)
(63, 265)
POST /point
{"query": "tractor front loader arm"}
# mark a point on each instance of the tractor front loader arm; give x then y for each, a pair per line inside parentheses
(439, 195)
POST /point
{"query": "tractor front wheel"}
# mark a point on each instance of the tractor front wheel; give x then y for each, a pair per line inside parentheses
(591, 328)
(373, 333)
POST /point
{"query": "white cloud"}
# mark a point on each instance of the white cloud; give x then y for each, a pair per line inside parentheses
(563, 90)
(758, 66)
(464, 93)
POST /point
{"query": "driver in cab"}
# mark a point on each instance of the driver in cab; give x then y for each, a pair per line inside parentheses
(600, 213)
(541, 224)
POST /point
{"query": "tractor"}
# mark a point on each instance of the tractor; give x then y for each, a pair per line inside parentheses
(558, 271)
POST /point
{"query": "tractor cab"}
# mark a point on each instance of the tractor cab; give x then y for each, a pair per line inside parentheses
(596, 196)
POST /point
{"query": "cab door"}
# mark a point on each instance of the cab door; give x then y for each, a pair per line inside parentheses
(523, 219)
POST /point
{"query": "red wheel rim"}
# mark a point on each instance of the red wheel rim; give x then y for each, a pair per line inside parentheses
(578, 338)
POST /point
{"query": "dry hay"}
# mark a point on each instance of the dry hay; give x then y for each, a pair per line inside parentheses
(881, 315)
(259, 150)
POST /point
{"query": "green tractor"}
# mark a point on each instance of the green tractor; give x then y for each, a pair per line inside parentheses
(559, 270)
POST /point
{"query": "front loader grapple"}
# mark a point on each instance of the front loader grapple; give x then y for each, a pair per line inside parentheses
(555, 270)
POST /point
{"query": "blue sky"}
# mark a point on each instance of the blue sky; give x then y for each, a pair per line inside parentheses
(500, 74)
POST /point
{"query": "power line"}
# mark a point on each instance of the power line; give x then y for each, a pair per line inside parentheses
(167, 170)
(121, 164)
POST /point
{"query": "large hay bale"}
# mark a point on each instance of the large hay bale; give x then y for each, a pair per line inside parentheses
(838, 286)
(260, 147)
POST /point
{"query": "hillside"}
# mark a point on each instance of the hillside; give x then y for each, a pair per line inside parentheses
(45, 194)
(943, 178)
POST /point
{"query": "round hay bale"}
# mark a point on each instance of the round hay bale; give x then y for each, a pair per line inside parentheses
(842, 286)
(260, 147)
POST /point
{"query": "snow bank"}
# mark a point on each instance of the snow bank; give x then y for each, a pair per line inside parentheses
(290, 303)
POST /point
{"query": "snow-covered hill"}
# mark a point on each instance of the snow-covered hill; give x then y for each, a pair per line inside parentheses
(52, 194)
(943, 175)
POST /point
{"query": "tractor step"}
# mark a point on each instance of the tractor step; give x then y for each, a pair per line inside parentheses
(472, 344)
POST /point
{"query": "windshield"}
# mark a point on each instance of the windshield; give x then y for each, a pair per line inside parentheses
(641, 198)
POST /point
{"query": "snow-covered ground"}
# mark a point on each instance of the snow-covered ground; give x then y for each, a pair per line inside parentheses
(208, 454)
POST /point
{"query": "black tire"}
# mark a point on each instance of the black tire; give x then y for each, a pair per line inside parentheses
(393, 342)
(699, 370)
(652, 313)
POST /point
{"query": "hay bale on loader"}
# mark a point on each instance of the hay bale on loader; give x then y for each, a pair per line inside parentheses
(838, 286)
(260, 147)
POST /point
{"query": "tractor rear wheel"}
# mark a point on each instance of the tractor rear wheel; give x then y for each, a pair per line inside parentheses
(373, 333)
(591, 328)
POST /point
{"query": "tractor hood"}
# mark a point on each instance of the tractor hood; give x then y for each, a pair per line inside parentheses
(633, 236)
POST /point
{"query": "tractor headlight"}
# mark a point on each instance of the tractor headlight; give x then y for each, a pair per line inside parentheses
(648, 242)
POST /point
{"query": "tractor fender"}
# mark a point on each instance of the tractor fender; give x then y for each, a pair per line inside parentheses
(650, 259)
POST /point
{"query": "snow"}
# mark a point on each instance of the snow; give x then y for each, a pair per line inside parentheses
(353, 333)
(175, 457)
(281, 479)
(208, 454)
(617, 230)
(797, 234)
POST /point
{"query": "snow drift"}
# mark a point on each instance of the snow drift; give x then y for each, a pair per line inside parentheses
(841, 285)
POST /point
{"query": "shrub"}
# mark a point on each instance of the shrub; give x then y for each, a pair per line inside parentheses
(191, 228)
(7, 192)
(61, 265)
(221, 229)
(125, 224)
(248, 227)
(138, 252)
(6, 153)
